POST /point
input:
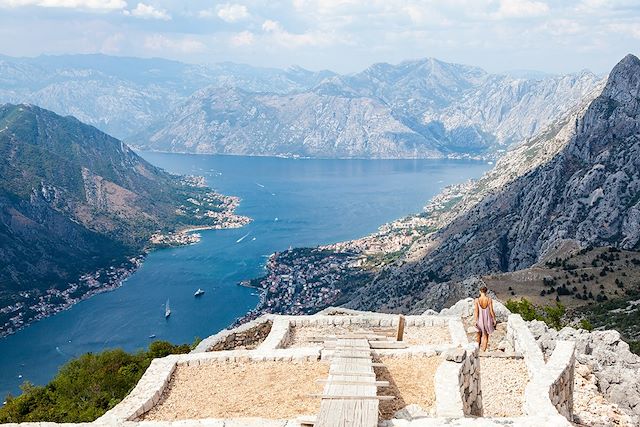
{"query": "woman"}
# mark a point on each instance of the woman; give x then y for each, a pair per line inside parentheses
(485, 318)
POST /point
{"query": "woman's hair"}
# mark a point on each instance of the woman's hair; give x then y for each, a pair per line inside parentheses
(483, 289)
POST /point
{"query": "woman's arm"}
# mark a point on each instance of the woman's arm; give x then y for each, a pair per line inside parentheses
(475, 310)
(493, 314)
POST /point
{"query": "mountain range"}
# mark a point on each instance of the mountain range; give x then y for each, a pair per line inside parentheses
(586, 193)
(416, 109)
(75, 201)
(123, 95)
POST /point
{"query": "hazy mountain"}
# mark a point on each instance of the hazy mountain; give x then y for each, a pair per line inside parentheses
(425, 108)
(74, 200)
(121, 95)
(313, 123)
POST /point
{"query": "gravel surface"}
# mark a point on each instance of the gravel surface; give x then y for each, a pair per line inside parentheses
(503, 382)
(415, 335)
(411, 380)
(275, 390)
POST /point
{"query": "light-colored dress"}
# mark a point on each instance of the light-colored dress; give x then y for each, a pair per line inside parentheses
(485, 321)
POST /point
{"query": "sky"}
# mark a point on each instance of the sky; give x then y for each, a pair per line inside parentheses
(340, 35)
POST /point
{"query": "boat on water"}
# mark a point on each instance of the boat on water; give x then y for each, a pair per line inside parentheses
(167, 310)
(198, 293)
(152, 336)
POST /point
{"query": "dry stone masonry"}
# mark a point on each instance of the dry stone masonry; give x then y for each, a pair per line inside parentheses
(457, 381)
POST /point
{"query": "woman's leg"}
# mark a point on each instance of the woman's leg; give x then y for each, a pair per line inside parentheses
(479, 334)
(485, 340)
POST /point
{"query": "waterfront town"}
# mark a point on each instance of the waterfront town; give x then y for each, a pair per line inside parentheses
(209, 209)
(34, 305)
(305, 280)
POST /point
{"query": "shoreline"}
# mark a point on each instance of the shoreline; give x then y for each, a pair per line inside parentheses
(118, 274)
(490, 158)
(352, 261)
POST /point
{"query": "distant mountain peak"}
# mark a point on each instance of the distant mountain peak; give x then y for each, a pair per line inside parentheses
(624, 79)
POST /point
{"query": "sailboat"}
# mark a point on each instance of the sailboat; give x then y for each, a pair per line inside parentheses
(198, 292)
(167, 309)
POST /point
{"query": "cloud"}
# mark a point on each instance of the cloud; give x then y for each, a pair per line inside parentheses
(227, 12)
(112, 43)
(158, 42)
(146, 11)
(629, 29)
(294, 40)
(70, 4)
(271, 26)
(521, 9)
(244, 38)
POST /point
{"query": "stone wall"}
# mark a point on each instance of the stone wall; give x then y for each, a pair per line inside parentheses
(522, 341)
(469, 382)
(248, 339)
(561, 391)
(250, 335)
(549, 392)
(457, 383)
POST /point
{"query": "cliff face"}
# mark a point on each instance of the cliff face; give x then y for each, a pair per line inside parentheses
(588, 194)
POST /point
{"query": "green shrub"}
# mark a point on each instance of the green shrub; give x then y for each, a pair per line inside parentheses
(524, 308)
(86, 387)
(552, 315)
(585, 324)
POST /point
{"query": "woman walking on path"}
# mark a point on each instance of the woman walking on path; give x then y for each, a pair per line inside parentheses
(485, 318)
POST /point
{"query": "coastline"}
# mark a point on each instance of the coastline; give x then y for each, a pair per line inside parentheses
(294, 280)
(93, 283)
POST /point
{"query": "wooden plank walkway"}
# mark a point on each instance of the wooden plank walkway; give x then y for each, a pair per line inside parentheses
(350, 397)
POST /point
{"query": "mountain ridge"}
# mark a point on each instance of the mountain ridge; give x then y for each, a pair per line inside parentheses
(442, 105)
(586, 194)
(77, 210)
(445, 110)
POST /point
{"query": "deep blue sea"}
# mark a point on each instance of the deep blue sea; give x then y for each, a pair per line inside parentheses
(292, 202)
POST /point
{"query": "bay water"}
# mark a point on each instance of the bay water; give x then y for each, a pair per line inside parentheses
(293, 202)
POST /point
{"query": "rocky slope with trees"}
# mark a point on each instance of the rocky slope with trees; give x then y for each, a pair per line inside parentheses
(77, 209)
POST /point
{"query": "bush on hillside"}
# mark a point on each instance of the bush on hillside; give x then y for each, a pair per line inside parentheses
(85, 388)
(552, 315)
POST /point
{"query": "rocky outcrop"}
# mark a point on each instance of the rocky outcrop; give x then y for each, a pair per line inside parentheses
(604, 361)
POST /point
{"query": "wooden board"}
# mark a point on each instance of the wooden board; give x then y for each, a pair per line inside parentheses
(350, 396)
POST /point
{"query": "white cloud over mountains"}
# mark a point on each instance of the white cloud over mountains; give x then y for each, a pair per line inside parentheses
(346, 35)
(232, 12)
(147, 11)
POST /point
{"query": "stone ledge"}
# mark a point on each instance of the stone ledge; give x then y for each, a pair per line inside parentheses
(537, 421)
(277, 338)
(524, 343)
(206, 344)
(543, 395)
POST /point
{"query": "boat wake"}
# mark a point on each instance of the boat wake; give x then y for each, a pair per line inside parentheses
(62, 353)
(242, 238)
